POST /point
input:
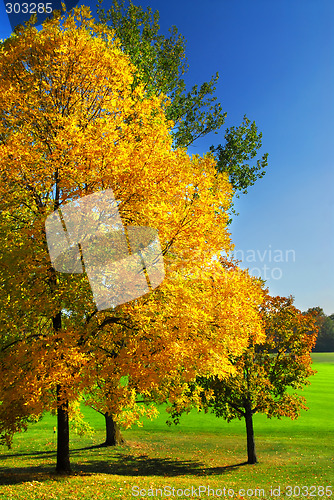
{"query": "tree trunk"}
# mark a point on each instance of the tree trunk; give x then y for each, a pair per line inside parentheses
(113, 433)
(251, 454)
(63, 428)
(63, 436)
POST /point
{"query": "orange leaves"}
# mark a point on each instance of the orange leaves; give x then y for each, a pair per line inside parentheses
(287, 327)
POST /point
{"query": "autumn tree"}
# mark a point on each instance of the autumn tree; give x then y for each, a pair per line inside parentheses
(71, 125)
(266, 372)
(64, 135)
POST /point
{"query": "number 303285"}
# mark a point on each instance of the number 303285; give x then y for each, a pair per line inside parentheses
(29, 8)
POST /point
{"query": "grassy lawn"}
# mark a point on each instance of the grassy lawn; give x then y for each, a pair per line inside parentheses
(202, 451)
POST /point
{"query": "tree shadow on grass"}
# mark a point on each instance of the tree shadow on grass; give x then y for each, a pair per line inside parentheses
(22, 474)
(119, 464)
(143, 465)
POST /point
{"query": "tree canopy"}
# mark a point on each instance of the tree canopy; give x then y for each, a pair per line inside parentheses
(73, 124)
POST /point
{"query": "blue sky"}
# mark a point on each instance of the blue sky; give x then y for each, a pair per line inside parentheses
(275, 60)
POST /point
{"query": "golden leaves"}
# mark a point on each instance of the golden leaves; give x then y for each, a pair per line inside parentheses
(70, 125)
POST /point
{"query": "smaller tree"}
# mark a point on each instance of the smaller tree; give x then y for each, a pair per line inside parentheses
(266, 372)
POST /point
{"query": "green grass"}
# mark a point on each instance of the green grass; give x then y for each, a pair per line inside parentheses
(201, 451)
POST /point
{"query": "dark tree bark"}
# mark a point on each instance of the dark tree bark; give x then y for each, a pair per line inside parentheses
(63, 428)
(113, 433)
(251, 454)
(63, 436)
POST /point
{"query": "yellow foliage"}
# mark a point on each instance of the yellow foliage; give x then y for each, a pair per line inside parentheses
(71, 125)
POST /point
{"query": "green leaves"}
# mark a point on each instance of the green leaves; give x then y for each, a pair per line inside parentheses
(160, 63)
(157, 59)
(241, 146)
(195, 113)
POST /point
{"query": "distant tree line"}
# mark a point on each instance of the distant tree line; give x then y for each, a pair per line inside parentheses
(325, 338)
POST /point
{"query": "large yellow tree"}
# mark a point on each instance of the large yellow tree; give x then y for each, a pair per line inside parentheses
(71, 125)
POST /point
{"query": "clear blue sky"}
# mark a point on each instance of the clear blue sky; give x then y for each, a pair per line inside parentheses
(275, 59)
